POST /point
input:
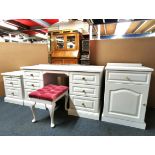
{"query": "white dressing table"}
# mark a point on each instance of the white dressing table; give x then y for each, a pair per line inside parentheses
(84, 86)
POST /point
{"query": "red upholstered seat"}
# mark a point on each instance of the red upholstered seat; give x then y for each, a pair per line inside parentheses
(49, 92)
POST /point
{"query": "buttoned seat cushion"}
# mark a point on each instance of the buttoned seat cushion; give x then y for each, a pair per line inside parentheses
(49, 92)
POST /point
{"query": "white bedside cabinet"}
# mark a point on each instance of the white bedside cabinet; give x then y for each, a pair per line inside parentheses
(126, 94)
(13, 84)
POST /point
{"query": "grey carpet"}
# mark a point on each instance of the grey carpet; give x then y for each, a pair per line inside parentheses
(15, 120)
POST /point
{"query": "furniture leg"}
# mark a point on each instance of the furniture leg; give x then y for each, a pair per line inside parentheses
(66, 101)
(51, 109)
(33, 113)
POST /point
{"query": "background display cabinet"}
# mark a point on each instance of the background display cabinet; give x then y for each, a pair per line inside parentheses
(85, 53)
(65, 48)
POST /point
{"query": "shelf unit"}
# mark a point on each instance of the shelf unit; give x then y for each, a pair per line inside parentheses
(85, 53)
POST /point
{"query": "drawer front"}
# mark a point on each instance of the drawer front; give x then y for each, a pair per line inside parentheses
(32, 74)
(27, 92)
(14, 93)
(128, 77)
(11, 76)
(12, 82)
(33, 84)
(84, 103)
(84, 78)
(84, 90)
(8, 82)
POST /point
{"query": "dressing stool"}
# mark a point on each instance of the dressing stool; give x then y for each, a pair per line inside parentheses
(49, 95)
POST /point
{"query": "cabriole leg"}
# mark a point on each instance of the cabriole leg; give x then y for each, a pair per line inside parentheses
(33, 113)
(66, 100)
(51, 109)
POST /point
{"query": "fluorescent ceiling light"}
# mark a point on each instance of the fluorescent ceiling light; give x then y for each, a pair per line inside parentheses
(4, 24)
(151, 35)
(121, 28)
(41, 36)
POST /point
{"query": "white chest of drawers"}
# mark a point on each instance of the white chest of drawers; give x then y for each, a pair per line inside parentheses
(84, 91)
(13, 84)
(126, 94)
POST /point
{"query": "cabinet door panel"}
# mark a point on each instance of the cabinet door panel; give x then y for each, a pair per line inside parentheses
(125, 101)
(71, 42)
(59, 42)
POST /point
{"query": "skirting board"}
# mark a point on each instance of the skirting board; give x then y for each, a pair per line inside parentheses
(14, 101)
(84, 114)
(124, 122)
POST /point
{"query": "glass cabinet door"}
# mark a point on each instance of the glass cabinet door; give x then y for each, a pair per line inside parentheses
(71, 42)
(59, 42)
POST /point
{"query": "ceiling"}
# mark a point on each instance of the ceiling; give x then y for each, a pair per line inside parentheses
(135, 26)
(28, 26)
(31, 27)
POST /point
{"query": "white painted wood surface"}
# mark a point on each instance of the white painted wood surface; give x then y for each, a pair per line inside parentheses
(81, 78)
(129, 68)
(84, 89)
(84, 83)
(85, 78)
(126, 94)
(13, 84)
(84, 103)
(69, 68)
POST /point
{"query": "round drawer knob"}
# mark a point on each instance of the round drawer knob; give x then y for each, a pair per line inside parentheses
(83, 91)
(32, 85)
(11, 82)
(31, 74)
(83, 105)
(83, 78)
(12, 93)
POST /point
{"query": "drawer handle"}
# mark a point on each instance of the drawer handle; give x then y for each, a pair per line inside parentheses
(11, 82)
(31, 74)
(144, 104)
(83, 105)
(13, 93)
(83, 91)
(83, 78)
(32, 85)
